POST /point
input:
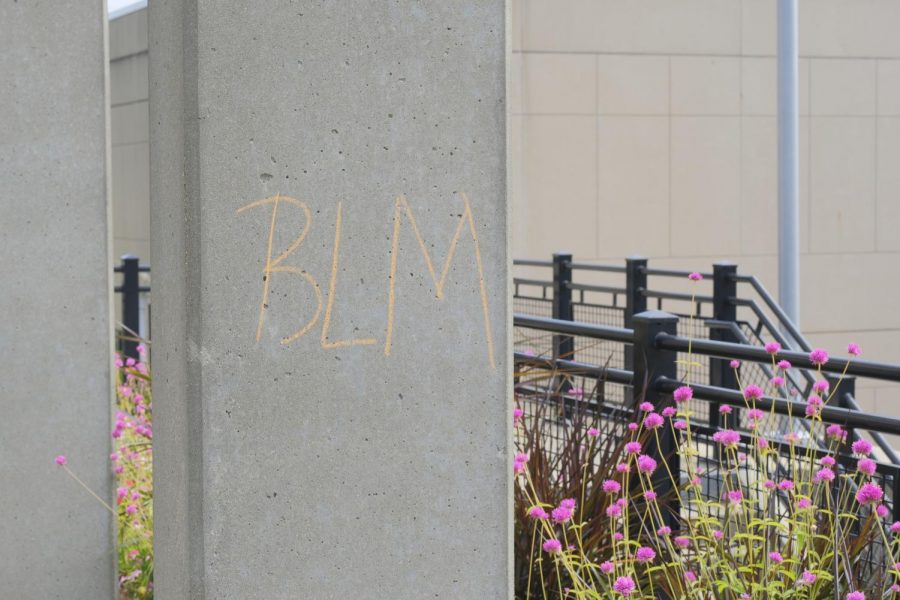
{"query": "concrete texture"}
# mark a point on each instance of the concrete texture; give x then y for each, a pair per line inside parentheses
(56, 541)
(326, 427)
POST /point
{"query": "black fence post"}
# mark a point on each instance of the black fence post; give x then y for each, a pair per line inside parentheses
(725, 311)
(651, 363)
(635, 302)
(131, 304)
(563, 345)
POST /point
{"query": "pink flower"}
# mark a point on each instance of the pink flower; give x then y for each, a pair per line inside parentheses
(577, 392)
(653, 420)
(762, 443)
(695, 276)
(777, 381)
(593, 432)
(784, 365)
(866, 465)
(618, 536)
(560, 514)
(725, 409)
(825, 475)
(682, 542)
(803, 503)
(644, 554)
(679, 424)
(836, 431)
(753, 392)
(131, 509)
(646, 406)
(552, 546)
(734, 364)
(666, 530)
(811, 410)
(646, 464)
(537, 512)
(623, 468)
(856, 596)
(735, 496)
(568, 503)
(624, 585)
(668, 412)
(769, 484)
(808, 578)
(690, 576)
(895, 527)
(611, 486)
(786, 484)
(869, 493)
(828, 461)
(821, 386)
(881, 510)
(633, 447)
(607, 567)
(773, 347)
(727, 437)
(632, 426)
(862, 447)
(613, 511)
(650, 495)
(61, 460)
(776, 557)
(853, 349)
(755, 414)
(818, 357)
(683, 394)
(718, 534)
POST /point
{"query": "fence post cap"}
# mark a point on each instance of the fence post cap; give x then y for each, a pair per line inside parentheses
(129, 257)
(655, 315)
(726, 264)
(636, 258)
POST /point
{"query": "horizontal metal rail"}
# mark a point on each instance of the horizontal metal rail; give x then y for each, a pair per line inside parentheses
(536, 282)
(578, 368)
(586, 266)
(677, 296)
(860, 368)
(614, 334)
(674, 273)
(830, 414)
(528, 262)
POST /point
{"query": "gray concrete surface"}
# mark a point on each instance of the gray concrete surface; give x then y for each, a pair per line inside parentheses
(308, 443)
(56, 541)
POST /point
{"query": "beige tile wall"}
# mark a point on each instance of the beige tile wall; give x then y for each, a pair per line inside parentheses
(648, 127)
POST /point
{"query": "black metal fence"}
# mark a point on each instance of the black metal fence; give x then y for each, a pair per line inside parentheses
(134, 294)
(604, 339)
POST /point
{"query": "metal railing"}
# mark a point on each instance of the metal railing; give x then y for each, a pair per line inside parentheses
(135, 323)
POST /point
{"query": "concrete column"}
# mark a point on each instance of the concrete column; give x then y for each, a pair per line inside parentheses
(56, 541)
(330, 299)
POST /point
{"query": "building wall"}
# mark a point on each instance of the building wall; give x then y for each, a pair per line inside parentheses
(128, 72)
(649, 128)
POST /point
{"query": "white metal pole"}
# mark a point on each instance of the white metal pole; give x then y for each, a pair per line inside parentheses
(788, 162)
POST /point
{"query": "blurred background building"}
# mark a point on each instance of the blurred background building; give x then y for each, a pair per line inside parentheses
(648, 127)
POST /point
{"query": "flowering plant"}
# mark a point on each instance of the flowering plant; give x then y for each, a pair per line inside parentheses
(771, 514)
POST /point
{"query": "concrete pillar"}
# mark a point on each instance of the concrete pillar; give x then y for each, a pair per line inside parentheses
(56, 541)
(330, 299)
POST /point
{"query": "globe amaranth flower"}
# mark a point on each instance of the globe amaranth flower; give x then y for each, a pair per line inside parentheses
(827, 460)
(811, 410)
(803, 503)
(624, 585)
(895, 527)
(653, 420)
(644, 554)
(623, 468)
(61, 460)
(607, 567)
(769, 484)
(666, 530)
(818, 357)
(646, 464)
(646, 406)
(679, 424)
(821, 386)
(725, 409)
(762, 443)
(836, 431)
(825, 475)
(853, 349)
(633, 447)
(753, 392)
(650, 495)
(807, 577)
(537, 512)
(866, 466)
(552, 546)
(632, 426)
(690, 576)
(869, 493)
(561, 514)
(734, 364)
(668, 411)
(613, 511)
(618, 536)
(862, 447)
(776, 557)
(727, 437)
(786, 484)
(882, 511)
(773, 347)
(777, 381)
(682, 541)
(611, 486)
(735, 496)
(784, 365)
(593, 432)
(755, 414)
(855, 596)
(695, 276)
(567, 503)
(683, 394)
